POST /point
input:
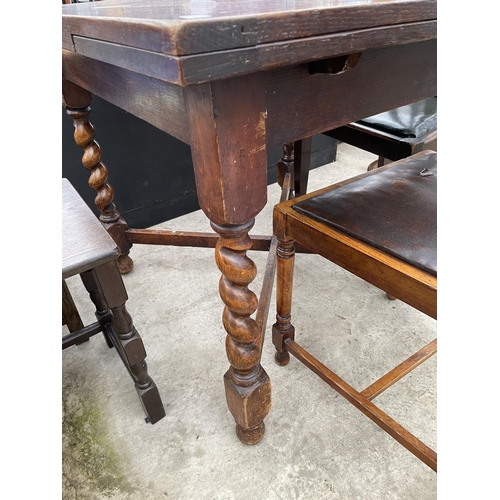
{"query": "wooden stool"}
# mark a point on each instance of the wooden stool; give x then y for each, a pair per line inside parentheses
(380, 226)
(89, 251)
(392, 135)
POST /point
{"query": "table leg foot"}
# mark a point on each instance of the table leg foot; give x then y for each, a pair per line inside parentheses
(249, 406)
(117, 229)
(251, 436)
(125, 264)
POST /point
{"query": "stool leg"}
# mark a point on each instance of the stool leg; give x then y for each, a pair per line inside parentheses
(70, 314)
(127, 340)
(283, 328)
(102, 312)
(76, 101)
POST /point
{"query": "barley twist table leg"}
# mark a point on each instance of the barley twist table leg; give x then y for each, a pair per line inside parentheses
(91, 160)
(76, 100)
(248, 388)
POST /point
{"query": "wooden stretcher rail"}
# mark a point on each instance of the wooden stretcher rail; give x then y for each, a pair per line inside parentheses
(81, 335)
(194, 239)
(187, 239)
(389, 425)
(400, 371)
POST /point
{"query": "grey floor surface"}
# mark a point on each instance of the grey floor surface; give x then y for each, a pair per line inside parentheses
(317, 445)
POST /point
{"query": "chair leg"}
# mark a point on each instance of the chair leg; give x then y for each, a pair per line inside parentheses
(127, 340)
(285, 165)
(283, 329)
(379, 162)
(296, 160)
(301, 165)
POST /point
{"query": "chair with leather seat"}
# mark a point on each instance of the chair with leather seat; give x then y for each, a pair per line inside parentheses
(89, 251)
(392, 135)
(380, 226)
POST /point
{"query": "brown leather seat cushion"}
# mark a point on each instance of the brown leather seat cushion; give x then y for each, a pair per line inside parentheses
(394, 209)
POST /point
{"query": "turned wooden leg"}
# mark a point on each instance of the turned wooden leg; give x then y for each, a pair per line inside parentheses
(301, 165)
(70, 315)
(379, 162)
(295, 160)
(76, 101)
(248, 388)
(102, 312)
(127, 340)
(283, 329)
(285, 165)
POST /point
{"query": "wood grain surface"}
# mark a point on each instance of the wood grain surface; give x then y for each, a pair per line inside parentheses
(182, 27)
(85, 243)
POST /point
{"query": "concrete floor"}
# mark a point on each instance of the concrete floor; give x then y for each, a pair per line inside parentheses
(317, 445)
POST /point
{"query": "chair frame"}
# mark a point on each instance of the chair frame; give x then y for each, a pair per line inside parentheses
(382, 143)
(388, 147)
(405, 282)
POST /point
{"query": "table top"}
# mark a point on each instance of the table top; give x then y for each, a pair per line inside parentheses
(193, 41)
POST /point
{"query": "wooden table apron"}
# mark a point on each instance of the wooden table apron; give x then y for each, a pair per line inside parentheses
(229, 112)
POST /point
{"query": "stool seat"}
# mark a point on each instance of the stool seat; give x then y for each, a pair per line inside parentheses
(85, 243)
(394, 211)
